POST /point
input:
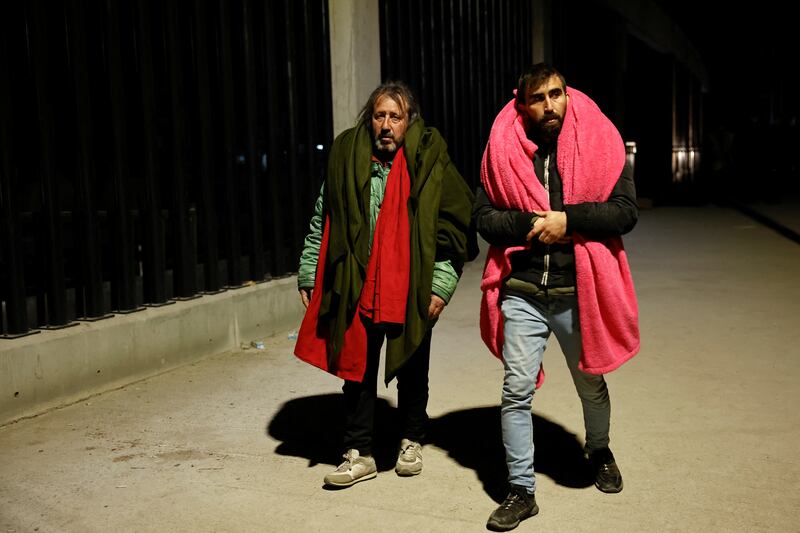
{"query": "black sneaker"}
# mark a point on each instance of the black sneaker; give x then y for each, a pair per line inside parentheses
(517, 506)
(607, 477)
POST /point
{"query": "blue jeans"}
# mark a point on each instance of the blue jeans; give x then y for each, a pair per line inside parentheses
(527, 326)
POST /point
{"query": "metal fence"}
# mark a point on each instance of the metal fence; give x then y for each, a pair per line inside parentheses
(462, 58)
(153, 151)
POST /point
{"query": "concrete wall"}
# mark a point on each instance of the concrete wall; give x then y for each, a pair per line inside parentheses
(355, 58)
(59, 367)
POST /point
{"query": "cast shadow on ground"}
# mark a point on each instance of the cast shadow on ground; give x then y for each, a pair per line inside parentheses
(312, 428)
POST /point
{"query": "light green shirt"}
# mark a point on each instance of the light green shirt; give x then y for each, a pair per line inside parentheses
(445, 278)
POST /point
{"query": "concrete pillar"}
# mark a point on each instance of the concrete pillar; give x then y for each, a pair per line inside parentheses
(355, 58)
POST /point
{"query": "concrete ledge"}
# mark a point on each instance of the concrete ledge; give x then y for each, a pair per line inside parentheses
(59, 367)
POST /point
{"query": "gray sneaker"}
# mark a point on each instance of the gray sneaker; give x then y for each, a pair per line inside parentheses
(355, 468)
(409, 460)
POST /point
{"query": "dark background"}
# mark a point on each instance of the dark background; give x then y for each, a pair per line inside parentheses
(751, 59)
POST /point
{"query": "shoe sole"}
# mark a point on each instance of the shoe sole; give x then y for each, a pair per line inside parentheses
(613, 491)
(408, 472)
(365, 477)
(497, 527)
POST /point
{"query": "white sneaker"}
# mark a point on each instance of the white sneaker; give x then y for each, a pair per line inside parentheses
(409, 460)
(355, 468)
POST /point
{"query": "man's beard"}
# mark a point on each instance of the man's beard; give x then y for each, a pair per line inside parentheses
(546, 132)
(385, 150)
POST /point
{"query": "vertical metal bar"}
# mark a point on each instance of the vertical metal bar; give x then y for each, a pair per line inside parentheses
(280, 156)
(524, 39)
(230, 219)
(482, 65)
(315, 110)
(520, 15)
(208, 240)
(325, 133)
(154, 262)
(52, 306)
(414, 53)
(495, 62)
(423, 73)
(183, 258)
(396, 59)
(506, 47)
(89, 290)
(439, 63)
(388, 57)
(429, 49)
(504, 50)
(511, 43)
(256, 244)
(123, 281)
(433, 91)
(12, 277)
(526, 27)
(293, 85)
(471, 126)
(391, 59)
(453, 19)
(387, 53)
(450, 96)
(475, 132)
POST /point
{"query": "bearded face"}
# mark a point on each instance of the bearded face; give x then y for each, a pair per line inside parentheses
(389, 125)
(544, 109)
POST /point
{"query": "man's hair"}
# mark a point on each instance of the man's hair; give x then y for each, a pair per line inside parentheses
(533, 77)
(397, 91)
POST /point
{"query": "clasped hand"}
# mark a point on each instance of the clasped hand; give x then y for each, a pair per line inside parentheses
(550, 227)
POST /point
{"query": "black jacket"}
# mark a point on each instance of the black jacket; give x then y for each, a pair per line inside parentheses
(554, 265)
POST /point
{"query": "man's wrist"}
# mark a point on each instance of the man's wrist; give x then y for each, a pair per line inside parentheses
(523, 224)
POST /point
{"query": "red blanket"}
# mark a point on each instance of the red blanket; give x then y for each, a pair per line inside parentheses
(385, 291)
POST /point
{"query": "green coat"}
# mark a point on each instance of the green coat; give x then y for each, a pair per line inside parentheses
(439, 209)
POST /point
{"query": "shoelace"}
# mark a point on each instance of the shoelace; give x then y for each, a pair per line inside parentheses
(511, 500)
(409, 453)
(605, 467)
(349, 460)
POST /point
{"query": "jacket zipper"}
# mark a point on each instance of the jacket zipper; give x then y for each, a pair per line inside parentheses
(546, 268)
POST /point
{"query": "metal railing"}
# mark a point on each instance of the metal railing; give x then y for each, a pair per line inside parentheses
(153, 151)
(462, 58)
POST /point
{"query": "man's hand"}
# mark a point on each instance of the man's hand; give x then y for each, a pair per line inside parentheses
(436, 307)
(305, 296)
(550, 227)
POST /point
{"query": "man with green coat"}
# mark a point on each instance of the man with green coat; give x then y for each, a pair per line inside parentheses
(389, 236)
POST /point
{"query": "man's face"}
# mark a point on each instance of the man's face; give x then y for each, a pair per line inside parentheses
(544, 109)
(389, 125)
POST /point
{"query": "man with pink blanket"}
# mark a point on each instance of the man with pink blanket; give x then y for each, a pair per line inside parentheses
(556, 195)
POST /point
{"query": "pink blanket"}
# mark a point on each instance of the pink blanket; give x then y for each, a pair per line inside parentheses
(590, 159)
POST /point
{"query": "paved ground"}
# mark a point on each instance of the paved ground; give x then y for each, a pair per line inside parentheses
(705, 420)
